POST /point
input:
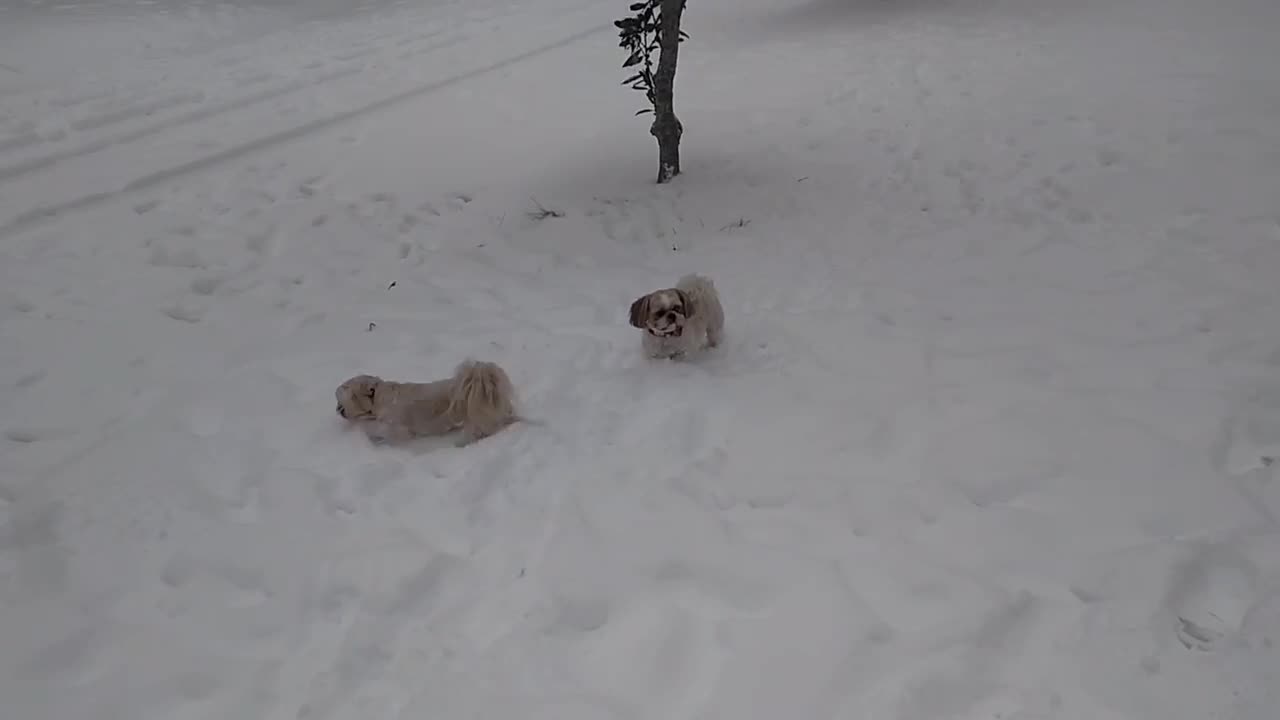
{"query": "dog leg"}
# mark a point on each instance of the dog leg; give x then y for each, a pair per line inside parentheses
(715, 329)
(658, 350)
(713, 336)
(382, 433)
(470, 437)
(474, 433)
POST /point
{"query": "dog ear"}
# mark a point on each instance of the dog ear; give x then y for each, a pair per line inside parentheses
(685, 301)
(639, 311)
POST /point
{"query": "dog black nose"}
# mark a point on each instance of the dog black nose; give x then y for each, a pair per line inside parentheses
(342, 412)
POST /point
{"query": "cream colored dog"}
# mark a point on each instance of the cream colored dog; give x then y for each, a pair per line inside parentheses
(478, 399)
(680, 320)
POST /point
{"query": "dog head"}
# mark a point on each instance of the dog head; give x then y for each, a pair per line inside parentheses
(662, 313)
(355, 397)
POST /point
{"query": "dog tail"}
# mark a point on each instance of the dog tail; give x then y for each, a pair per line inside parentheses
(482, 397)
(697, 285)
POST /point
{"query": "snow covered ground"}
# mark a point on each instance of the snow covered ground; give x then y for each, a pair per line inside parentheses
(992, 434)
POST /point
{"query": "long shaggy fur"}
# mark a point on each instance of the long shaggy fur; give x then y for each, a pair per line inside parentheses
(680, 320)
(479, 400)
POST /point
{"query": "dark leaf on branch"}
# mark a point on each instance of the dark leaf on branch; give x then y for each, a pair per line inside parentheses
(642, 111)
(636, 7)
(633, 60)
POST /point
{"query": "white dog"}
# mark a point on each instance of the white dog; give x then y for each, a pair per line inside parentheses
(680, 320)
(478, 399)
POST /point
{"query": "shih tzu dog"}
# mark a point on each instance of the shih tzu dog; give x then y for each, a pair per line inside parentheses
(478, 400)
(680, 320)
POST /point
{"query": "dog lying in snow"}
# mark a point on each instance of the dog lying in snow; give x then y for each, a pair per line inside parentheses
(478, 400)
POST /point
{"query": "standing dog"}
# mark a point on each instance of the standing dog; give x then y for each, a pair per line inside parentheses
(680, 320)
(478, 399)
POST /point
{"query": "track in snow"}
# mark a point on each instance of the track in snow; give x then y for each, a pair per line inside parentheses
(156, 150)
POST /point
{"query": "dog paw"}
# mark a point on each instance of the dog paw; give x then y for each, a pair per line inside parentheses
(376, 434)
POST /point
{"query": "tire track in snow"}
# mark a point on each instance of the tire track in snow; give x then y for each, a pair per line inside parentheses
(146, 107)
(18, 170)
(34, 216)
(404, 47)
(248, 46)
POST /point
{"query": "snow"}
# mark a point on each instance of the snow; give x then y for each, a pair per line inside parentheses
(992, 433)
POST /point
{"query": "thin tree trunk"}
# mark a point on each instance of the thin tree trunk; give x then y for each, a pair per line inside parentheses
(666, 126)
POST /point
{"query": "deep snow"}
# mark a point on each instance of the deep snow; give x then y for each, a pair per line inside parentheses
(991, 436)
